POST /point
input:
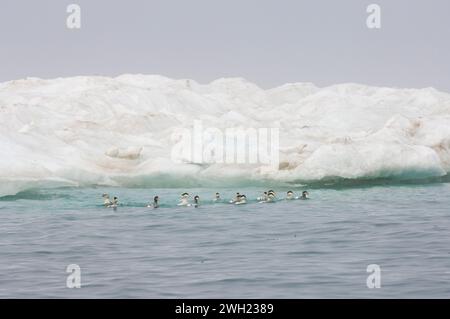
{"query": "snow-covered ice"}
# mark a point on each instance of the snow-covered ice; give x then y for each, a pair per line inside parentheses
(84, 131)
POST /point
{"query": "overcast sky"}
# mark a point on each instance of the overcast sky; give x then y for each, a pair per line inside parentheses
(265, 41)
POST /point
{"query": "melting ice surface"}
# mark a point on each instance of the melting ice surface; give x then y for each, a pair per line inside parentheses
(86, 131)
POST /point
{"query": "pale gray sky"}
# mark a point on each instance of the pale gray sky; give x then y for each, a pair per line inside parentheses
(265, 41)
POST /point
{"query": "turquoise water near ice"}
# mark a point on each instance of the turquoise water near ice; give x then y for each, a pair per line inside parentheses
(319, 248)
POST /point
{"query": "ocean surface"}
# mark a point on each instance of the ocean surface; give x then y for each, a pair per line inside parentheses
(318, 248)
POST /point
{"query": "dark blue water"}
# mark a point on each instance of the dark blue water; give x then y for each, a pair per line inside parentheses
(291, 249)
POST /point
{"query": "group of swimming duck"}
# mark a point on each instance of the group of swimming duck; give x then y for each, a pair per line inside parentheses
(267, 197)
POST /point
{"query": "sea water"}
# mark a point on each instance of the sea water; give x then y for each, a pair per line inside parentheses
(319, 247)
